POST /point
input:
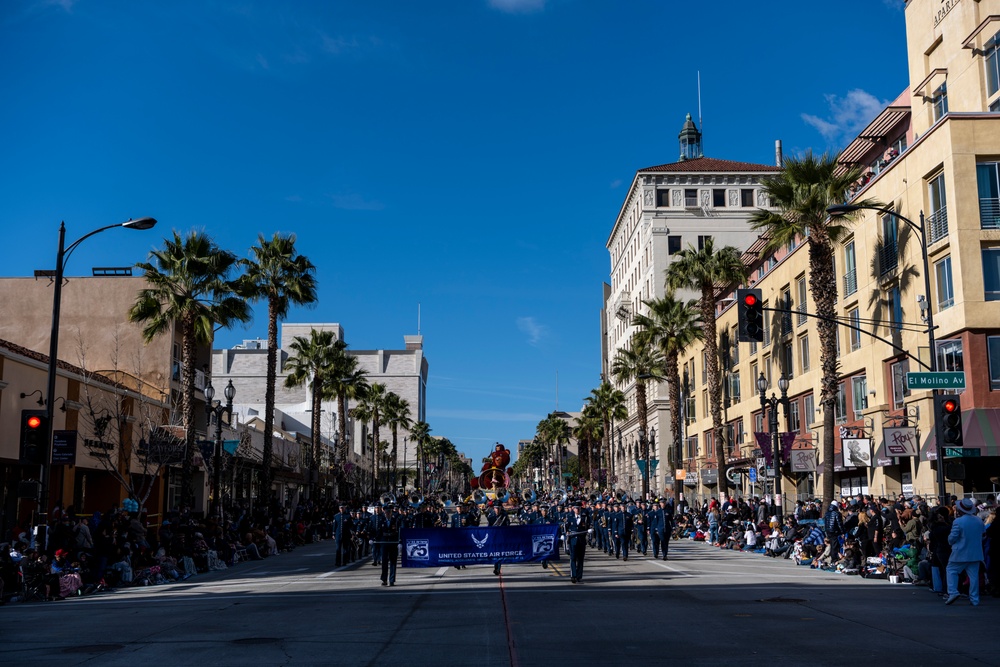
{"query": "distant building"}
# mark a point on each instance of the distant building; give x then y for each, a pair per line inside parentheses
(404, 372)
(668, 208)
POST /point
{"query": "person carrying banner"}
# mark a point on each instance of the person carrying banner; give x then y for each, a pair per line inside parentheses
(497, 517)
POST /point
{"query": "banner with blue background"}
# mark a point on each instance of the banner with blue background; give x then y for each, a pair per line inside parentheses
(433, 547)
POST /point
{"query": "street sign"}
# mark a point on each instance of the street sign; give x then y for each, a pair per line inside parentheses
(968, 452)
(938, 380)
(753, 475)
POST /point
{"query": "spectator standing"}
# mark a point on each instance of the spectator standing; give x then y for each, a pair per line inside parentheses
(966, 540)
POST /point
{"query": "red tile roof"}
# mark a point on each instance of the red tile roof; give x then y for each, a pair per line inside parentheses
(68, 367)
(711, 164)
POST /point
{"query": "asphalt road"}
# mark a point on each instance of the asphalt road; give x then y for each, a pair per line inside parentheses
(702, 607)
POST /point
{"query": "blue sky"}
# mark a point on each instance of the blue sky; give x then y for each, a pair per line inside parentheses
(469, 156)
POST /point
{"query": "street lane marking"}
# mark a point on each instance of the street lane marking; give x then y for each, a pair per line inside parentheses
(672, 569)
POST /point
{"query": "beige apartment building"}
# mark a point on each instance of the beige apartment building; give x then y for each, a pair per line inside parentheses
(932, 157)
(669, 207)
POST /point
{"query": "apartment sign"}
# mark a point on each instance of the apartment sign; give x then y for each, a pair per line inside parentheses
(942, 11)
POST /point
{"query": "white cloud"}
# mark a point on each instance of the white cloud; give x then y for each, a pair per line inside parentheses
(518, 6)
(65, 4)
(848, 115)
(535, 331)
(354, 202)
(294, 198)
(616, 183)
(337, 45)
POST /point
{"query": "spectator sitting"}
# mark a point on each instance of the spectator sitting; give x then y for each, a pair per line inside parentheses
(850, 562)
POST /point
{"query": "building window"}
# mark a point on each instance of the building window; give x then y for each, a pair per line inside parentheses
(787, 366)
(988, 180)
(991, 274)
(702, 240)
(993, 350)
(704, 367)
(939, 101)
(692, 447)
(673, 245)
(990, 55)
(786, 315)
(746, 197)
(734, 350)
(937, 221)
(691, 198)
(767, 325)
(900, 392)
(855, 322)
(709, 445)
(719, 198)
(840, 405)
(705, 412)
(734, 386)
(850, 270)
(945, 289)
(804, 353)
(801, 289)
(859, 396)
(663, 197)
(950, 356)
(794, 421)
(809, 409)
(895, 307)
(758, 422)
(753, 376)
(888, 254)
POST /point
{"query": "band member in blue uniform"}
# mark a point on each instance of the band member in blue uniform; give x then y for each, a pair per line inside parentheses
(577, 525)
(343, 525)
(387, 538)
(497, 517)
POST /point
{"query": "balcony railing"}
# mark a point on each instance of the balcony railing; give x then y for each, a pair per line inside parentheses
(888, 258)
(850, 283)
(989, 213)
(937, 224)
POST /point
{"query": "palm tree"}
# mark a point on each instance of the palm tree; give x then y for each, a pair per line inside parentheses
(188, 285)
(371, 408)
(275, 273)
(610, 404)
(589, 430)
(640, 361)
(346, 381)
(673, 325)
(703, 270)
(421, 434)
(310, 365)
(802, 191)
(397, 415)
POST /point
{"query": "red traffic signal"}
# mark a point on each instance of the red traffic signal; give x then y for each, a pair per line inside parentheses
(949, 406)
(33, 422)
(949, 420)
(750, 316)
(34, 435)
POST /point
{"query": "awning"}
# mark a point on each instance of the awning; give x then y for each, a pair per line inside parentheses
(980, 430)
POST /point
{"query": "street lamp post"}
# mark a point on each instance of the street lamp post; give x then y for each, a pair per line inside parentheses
(62, 256)
(772, 425)
(217, 411)
(921, 229)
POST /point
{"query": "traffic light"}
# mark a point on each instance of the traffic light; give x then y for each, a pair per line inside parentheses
(949, 418)
(34, 431)
(750, 313)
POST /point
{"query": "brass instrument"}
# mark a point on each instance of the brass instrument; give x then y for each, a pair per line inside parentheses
(387, 499)
(479, 497)
(416, 499)
(528, 495)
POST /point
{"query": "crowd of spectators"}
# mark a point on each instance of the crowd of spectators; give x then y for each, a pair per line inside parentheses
(906, 540)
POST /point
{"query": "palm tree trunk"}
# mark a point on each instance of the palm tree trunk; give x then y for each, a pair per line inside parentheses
(316, 427)
(395, 459)
(823, 285)
(640, 397)
(674, 391)
(266, 473)
(187, 410)
(712, 370)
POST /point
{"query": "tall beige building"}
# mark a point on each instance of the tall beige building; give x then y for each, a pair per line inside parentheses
(932, 158)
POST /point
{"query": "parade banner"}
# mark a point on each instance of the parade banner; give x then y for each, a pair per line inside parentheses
(434, 547)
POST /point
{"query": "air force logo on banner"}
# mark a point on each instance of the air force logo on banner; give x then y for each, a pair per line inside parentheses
(542, 544)
(418, 549)
(480, 543)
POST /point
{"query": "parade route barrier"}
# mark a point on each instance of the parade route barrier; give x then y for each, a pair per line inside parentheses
(434, 547)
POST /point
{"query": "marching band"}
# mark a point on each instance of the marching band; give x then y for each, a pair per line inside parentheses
(614, 523)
